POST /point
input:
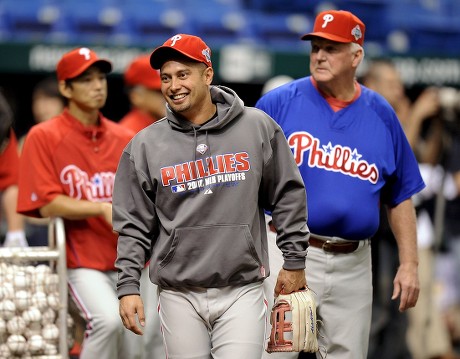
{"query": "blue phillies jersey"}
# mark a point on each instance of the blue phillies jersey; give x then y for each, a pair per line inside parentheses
(350, 160)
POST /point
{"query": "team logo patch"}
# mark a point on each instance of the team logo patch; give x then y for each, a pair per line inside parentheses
(202, 148)
(356, 32)
(206, 54)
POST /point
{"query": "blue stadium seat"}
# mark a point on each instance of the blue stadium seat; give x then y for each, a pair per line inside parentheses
(151, 22)
(431, 26)
(90, 21)
(277, 6)
(282, 31)
(218, 22)
(30, 20)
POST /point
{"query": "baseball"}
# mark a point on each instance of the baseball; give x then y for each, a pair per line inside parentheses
(2, 327)
(21, 280)
(39, 300)
(7, 309)
(36, 344)
(17, 344)
(53, 300)
(40, 274)
(50, 333)
(4, 351)
(22, 300)
(50, 349)
(16, 325)
(6, 291)
(32, 315)
(48, 316)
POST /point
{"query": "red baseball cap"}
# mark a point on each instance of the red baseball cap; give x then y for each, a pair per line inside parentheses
(188, 45)
(339, 26)
(139, 72)
(77, 61)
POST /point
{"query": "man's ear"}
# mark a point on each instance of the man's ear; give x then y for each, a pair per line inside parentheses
(65, 89)
(209, 73)
(357, 57)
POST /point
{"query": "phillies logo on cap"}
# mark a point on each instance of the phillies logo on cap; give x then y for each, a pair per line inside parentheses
(174, 39)
(85, 52)
(327, 19)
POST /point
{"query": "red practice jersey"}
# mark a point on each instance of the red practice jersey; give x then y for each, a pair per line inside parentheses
(63, 157)
(9, 163)
(136, 120)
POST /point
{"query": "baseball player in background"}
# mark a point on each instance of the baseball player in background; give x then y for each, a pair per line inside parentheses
(143, 85)
(353, 157)
(190, 193)
(67, 170)
(9, 168)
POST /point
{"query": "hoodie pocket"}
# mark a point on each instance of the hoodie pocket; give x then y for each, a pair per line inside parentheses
(210, 256)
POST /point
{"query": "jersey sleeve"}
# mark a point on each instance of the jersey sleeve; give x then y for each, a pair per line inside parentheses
(9, 163)
(38, 180)
(406, 180)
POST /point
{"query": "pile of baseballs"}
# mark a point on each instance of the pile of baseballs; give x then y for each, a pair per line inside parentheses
(29, 304)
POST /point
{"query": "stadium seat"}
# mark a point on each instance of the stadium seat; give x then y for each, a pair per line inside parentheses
(89, 21)
(28, 20)
(277, 6)
(430, 26)
(282, 31)
(151, 22)
(218, 22)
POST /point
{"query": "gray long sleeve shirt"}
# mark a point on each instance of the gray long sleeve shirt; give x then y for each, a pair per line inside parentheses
(191, 199)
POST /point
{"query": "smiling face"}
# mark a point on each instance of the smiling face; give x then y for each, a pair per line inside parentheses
(185, 86)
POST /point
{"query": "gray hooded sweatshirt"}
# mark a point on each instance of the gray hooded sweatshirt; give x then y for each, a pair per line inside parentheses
(191, 199)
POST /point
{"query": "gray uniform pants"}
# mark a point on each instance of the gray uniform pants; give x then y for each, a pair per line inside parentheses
(343, 287)
(94, 293)
(219, 323)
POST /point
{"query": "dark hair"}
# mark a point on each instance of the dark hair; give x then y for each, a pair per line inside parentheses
(6, 118)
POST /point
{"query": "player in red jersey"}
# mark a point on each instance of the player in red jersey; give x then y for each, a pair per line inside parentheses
(144, 90)
(9, 165)
(67, 170)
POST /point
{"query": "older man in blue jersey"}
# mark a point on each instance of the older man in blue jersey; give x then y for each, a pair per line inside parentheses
(354, 157)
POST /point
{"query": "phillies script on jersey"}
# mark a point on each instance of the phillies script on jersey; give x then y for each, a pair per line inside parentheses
(98, 188)
(210, 171)
(332, 158)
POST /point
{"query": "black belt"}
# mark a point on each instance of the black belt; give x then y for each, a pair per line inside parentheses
(327, 245)
(333, 247)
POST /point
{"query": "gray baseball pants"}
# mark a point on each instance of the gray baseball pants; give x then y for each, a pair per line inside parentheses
(219, 323)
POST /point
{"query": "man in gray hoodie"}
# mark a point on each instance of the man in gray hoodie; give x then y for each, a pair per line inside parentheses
(190, 194)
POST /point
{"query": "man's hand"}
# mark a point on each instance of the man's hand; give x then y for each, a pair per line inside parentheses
(406, 286)
(130, 307)
(289, 281)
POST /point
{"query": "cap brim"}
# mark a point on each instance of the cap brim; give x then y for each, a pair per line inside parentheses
(165, 53)
(325, 35)
(104, 65)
